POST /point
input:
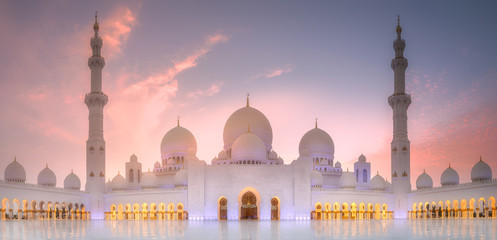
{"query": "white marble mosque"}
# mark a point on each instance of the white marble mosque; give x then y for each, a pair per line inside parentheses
(247, 180)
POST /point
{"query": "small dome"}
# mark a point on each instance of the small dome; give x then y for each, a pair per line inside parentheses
(14, 172)
(449, 177)
(273, 155)
(481, 172)
(338, 165)
(237, 123)
(133, 158)
(178, 140)
(118, 182)
(316, 179)
(47, 178)
(222, 155)
(347, 180)
(317, 141)
(378, 183)
(72, 182)
(248, 147)
(362, 158)
(157, 164)
(424, 181)
(149, 180)
(181, 178)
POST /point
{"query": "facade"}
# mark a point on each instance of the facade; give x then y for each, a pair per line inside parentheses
(247, 179)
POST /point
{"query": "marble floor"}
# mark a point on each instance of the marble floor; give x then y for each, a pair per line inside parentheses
(337, 229)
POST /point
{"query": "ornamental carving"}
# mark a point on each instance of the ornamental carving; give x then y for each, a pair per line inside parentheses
(97, 62)
(399, 63)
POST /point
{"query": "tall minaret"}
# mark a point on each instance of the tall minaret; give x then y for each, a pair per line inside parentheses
(95, 145)
(400, 146)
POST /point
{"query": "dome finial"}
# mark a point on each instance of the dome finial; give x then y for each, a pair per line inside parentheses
(424, 170)
(15, 159)
(72, 171)
(316, 123)
(178, 121)
(377, 172)
(449, 164)
(46, 166)
(248, 95)
(248, 129)
(481, 159)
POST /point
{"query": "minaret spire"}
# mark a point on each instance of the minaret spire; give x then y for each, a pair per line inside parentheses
(178, 121)
(96, 27)
(316, 123)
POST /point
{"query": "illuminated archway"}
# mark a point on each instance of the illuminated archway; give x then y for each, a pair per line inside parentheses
(353, 210)
(153, 211)
(327, 211)
(318, 211)
(491, 207)
(170, 211)
(362, 211)
(377, 213)
(136, 211)
(472, 210)
(464, 208)
(275, 208)
(336, 210)
(162, 211)
(120, 209)
(180, 207)
(345, 210)
(113, 210)
(249, 200)
(144, 211)
(129, 213)
(482, 208)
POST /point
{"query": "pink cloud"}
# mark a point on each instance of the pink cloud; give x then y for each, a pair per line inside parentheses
(278, 72)
(118, 26)
(212, 90)
(273, 73)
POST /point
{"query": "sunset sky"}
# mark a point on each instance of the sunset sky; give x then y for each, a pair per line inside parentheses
(298, 60)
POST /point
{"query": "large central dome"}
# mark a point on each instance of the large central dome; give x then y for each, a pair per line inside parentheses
(237, 125)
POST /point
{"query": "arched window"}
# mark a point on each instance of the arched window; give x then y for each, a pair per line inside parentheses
(357, 175)
(130, 175)
(364, 175)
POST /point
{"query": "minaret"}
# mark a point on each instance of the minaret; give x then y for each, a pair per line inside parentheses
(400, 146)
(95, 145)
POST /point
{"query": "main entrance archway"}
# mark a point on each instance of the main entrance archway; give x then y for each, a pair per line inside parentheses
(249, 206)
(249, 200)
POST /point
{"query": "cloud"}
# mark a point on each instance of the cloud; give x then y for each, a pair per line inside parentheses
(273, 73)
(116, 29)
(212, 90)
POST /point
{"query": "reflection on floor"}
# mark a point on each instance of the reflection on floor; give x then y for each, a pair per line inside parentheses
(136, 229)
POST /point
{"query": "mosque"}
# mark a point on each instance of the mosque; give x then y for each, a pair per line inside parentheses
(247, 179)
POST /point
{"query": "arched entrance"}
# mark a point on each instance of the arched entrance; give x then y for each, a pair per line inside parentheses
(249, 206)
(275, 209)
(223, 208)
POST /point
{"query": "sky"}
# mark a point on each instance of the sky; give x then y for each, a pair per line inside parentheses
(299, 60)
